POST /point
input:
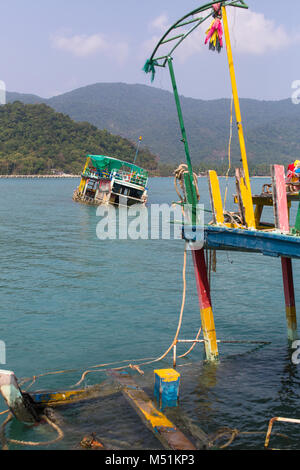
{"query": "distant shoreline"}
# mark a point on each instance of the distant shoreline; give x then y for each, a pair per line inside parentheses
(37, 176)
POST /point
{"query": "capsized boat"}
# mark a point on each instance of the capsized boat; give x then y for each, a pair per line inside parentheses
(107, 180)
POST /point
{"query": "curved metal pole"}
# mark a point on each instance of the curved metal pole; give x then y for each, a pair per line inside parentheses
(207, 6)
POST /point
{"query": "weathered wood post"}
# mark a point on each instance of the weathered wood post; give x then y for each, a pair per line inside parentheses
(297, 224)
(289, 293)
(281, 215)
(207, 316)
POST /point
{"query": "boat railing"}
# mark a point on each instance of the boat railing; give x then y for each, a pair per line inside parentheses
(96, 174)
(130, 177)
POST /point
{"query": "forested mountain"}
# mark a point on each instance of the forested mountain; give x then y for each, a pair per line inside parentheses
(271, 127)
(35, 139)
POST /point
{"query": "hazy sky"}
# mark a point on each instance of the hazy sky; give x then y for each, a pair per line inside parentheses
(50, 47)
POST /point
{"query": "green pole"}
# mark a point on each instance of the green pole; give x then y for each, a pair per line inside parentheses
(191, 190)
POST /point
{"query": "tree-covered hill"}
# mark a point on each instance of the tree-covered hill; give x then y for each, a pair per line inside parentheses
(35, 139)
(271, 127)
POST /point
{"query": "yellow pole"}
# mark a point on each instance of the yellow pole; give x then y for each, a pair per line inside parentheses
(83, 180)
(250, 217)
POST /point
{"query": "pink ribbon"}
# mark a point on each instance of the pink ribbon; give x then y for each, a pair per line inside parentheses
(217, 26)
(217, 7)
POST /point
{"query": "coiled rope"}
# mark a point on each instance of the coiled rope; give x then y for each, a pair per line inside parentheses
(5, 440)
(179, 172)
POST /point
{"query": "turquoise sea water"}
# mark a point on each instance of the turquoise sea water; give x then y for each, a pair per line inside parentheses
(71, 301)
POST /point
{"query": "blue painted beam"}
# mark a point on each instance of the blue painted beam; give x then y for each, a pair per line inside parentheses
(254, 241)
(267, 243)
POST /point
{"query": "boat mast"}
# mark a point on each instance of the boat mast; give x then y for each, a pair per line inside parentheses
(137, 150)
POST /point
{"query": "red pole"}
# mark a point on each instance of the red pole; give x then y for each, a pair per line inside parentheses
(289, 293)
(207, 317)
(282, 223)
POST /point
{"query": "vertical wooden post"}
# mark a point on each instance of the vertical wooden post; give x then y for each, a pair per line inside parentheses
(207, 317)
(281, 212)
(281, 215)
(215, 197)
(258, 213)
(289, 293)
(297, 224)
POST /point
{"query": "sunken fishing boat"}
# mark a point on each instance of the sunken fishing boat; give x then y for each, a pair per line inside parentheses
(106, 180)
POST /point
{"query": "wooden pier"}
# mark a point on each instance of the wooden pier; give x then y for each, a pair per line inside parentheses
(242, 230)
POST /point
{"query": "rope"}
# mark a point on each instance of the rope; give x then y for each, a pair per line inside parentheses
(193, 346)
(4, 440)
(176, 335)
(179, 172)
(233, 434)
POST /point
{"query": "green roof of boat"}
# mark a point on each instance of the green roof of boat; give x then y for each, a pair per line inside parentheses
(102, 162)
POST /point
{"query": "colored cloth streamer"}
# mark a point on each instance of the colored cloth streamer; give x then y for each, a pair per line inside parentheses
(150, 67)
(215, 35)
(293, 172)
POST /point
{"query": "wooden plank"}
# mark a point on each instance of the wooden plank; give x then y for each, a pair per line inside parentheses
(59, 398)
(244, 198)
(238, 198)
(155, 420)
(297, 224)
(281, 212)
(267, 243)
(267, 199)
(258, 213)
(215, 197)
